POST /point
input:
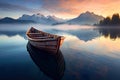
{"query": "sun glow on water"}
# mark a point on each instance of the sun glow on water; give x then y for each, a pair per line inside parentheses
(99, 46)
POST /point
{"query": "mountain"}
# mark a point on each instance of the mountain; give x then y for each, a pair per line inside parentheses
(88, 18)
(11, 20)
(39, 18)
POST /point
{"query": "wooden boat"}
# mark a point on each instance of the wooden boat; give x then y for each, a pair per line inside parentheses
(44, 41)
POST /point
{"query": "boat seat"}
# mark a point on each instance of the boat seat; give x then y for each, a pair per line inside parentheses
(45, 37)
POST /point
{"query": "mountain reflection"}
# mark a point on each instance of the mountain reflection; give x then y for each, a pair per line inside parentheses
(82, 34)
(13, 33)
(113, 33)
(53, 65)
(85, 34)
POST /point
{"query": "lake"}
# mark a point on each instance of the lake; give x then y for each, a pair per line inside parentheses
(88, 53)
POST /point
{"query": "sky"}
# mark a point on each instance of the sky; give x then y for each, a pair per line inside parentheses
(60, 8)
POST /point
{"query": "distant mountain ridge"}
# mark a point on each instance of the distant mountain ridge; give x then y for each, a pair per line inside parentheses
(11, 20)
(86, 18)
(39, 18)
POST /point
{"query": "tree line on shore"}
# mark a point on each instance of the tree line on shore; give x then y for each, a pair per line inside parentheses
(110, 21)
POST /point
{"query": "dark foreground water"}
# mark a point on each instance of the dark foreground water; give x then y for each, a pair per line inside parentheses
(88, 53)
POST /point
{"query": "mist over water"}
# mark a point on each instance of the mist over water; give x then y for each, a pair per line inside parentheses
(89, 53)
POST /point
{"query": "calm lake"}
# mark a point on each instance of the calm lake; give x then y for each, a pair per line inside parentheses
(88, 53)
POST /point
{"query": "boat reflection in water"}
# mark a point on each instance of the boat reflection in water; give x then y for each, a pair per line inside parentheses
(53, 65)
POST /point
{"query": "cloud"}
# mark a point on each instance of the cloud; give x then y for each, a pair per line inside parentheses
(61, 8)
(66, 8)
(11, 7)
(75, 7)
(60, 5)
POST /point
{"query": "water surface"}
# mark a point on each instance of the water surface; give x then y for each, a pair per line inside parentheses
(88, 53)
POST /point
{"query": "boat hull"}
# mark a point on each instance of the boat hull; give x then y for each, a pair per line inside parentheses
(47, 45)
(44, 41)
